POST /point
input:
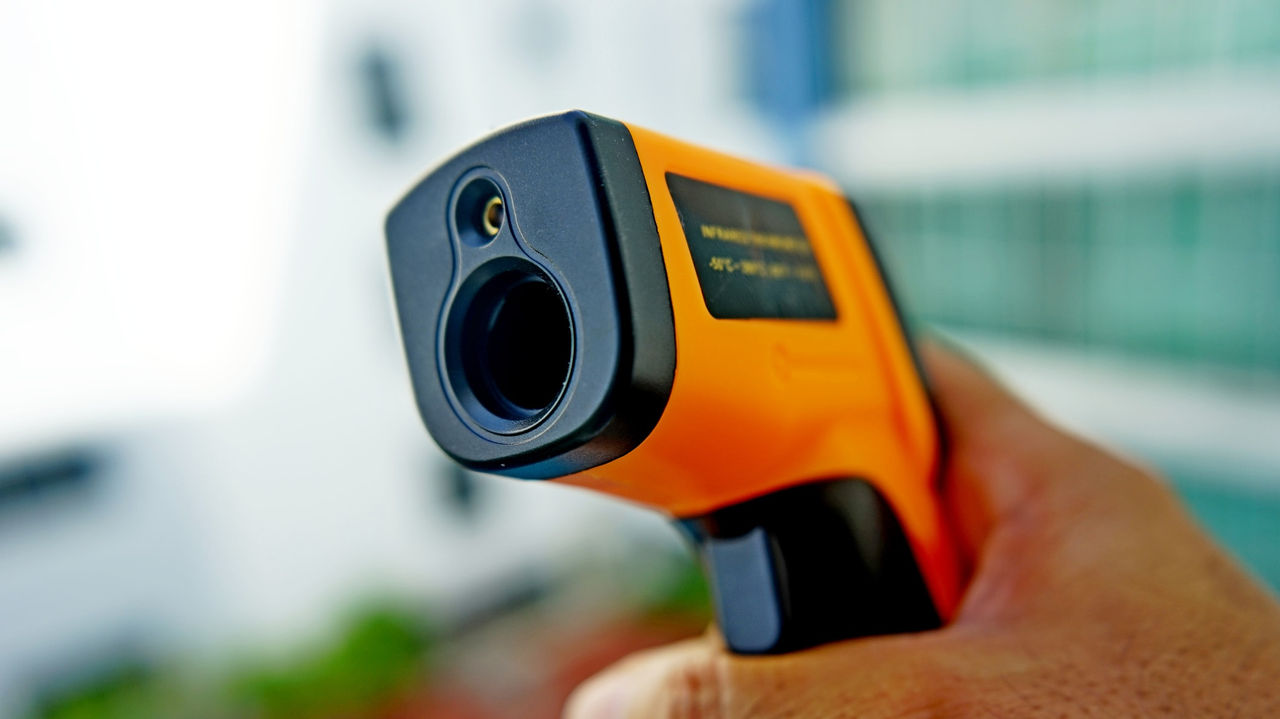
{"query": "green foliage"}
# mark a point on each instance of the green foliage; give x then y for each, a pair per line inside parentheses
(381, 652)
(128, 693)
(684, 594)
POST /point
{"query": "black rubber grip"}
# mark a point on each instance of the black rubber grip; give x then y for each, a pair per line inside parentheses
(810, 564)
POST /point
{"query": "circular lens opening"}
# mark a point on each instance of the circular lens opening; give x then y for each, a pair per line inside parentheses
(516, 350)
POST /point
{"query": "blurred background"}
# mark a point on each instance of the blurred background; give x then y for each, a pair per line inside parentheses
(216, 499)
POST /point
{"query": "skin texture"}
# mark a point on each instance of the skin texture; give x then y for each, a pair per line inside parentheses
(1093, 594)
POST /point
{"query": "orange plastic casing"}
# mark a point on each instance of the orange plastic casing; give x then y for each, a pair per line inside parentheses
(761, 404)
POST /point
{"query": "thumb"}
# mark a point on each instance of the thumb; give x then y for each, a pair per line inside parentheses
(677, 680)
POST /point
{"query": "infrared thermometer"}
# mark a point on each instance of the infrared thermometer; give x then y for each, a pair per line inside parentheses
(588, 302)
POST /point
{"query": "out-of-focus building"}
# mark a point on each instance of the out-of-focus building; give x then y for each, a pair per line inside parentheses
(1091, 193)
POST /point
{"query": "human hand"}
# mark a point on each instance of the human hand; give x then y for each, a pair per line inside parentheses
(1094, 594)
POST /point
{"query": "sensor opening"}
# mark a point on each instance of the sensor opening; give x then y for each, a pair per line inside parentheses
(514, 347)
(491, 216)
(479, 212)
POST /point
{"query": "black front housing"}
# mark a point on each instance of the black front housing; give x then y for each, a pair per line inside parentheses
(578, 226)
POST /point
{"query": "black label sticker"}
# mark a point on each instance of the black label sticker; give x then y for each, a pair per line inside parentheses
(752, 256)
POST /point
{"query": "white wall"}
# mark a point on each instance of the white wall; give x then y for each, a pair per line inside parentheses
(200, 284)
